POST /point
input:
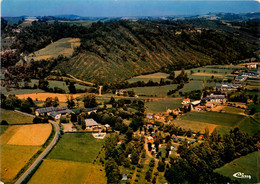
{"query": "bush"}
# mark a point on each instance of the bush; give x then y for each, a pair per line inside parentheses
(63, 120)
(37, 120)
(4, 122)
(133, 167)
(138, 170)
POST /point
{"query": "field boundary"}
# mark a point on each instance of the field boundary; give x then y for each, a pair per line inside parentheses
(24, 113)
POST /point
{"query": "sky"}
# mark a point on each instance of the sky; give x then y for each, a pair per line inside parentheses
(118, 8)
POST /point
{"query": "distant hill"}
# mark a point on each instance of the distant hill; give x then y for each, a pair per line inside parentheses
(117, 50)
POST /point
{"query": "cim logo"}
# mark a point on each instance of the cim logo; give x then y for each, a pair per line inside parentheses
(242, 175)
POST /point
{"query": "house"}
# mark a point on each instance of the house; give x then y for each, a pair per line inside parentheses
(107, 126)
(90, 110)
(150, 126)
(198, 108)
(124, 177)
(150, 116)
(120, 142)
(201, 137)
(45, 110)
(185, 101)
(209, 105)
(57, 114)
(91, 123)
(150, 139)
(172, 148)
(215, 98)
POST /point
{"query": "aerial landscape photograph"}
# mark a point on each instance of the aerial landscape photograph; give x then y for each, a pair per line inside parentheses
(130, 92)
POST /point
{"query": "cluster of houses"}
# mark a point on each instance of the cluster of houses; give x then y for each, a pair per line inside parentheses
(207, 102)
(228, 86)
(57, 112)
(244, 75)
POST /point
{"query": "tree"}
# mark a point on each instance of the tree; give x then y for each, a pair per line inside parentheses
(70, 102)
(255, 99)
(90, 101)
(4, 122)
(73, 117)
(148, 175)
(252, 111)
(55, 102)
(26, 106)
(72, 88)
(129, 135)
(112, 171)
(135, 157)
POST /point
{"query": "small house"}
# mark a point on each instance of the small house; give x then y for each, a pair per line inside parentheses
(201, 137)
(185, 101)
(91, 123)
(124, 177)
(57, 114)
(150, 116)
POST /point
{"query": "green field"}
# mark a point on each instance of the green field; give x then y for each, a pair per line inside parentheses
(60, 172)
(13, 117)
(223, 119)
(163, 105)
(232, 110)
(80, 147)
(156, 91)
(249, 165)
(191, 86)
(13, 91)
(250, 126)
(64, 46)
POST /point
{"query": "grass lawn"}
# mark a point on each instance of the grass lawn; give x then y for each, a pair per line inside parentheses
(163, 105)
(80, 147)
(3, 128)
(156, 91)
(223, 119)
(13, 159)
(13, 117)
(246, 164)
(60, 171)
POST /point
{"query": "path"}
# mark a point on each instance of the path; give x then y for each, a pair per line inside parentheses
(42, 155)
(85, 82)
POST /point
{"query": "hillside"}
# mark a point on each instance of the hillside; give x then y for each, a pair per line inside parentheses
(117, 50)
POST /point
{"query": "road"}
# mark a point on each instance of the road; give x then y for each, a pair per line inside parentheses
(43, 154)
(85, 82)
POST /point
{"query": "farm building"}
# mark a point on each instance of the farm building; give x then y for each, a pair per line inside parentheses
(215, 98)
(91, 123)
(45, 110)
(57, 114)
(89, 110)
(228, 86)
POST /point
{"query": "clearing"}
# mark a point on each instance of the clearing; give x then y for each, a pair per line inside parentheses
(13, 117)
(249, 165)
(64, 46)
(80, 147)
(60, 171)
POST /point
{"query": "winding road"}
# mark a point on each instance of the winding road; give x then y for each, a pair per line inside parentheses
(43, 154)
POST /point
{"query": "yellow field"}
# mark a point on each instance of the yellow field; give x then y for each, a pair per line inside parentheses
(57, 171)
(13, 159)
(30, 135)
(207, 74)
(195, 125)
(43, 96)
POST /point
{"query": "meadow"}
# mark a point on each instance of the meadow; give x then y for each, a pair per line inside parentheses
(248, 164)
(79, 147)
(163, 105)
(60, 171)
(223, 119)
(13, 117)
(64, 46)
(191, 86)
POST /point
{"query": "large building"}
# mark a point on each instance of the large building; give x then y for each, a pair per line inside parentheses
(215, 98)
